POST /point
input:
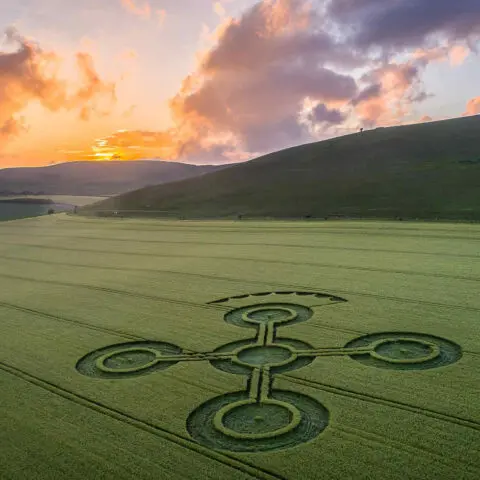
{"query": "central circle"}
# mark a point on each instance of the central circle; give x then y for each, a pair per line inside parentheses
(257, 418)
(264, 355)
(269, 314)
(127, 360)
(131, 358)
(405, 350)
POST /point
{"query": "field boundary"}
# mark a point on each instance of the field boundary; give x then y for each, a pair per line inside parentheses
(228, 460)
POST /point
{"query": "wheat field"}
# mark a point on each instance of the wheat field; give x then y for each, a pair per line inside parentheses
(235, 350)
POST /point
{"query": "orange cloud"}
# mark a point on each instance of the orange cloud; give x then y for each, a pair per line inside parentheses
(219, 9)
(132, 145)
(144, 11)
(456, 54)
(246, 93)
(473, 106)
(129, 112)
(285, 16)
(31, 74)
(247, 90)
(394, 87)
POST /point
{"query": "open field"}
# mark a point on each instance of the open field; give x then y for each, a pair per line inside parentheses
(156, 349)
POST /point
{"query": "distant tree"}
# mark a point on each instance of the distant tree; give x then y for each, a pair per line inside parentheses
(51, 211)
(361, 130)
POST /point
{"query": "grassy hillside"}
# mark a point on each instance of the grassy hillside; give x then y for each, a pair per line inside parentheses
(427, 170)
(95, 178)
(239, 350)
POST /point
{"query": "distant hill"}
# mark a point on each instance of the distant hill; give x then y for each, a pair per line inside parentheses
(425, 170)
(95, 178)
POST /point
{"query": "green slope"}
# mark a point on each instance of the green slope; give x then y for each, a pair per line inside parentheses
(426, 170)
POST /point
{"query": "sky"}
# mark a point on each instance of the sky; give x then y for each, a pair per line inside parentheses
(204, 81)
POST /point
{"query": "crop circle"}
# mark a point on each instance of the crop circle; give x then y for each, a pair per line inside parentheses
(248, 419)
(126, 360)
(248, 350)
(405, 351)
(259, 355)
(234, 422)
(277, 313)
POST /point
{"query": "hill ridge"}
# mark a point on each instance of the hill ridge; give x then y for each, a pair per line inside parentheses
(425, 170)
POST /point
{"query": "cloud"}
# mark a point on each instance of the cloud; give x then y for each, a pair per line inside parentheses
(455, 53)
(393, 89)
(129, 111)
(143, 11)
(396, 24)
(12, 127)
(30, 74)
(219, 9)
(458, 54)
(322, 114)
(252, 83)
(372, 91)
(352, 61)
(94, 96)
(473, 107)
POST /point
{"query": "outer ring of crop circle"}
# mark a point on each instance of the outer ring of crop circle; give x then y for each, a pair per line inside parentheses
(87, 365)
(314, 420)
(235, 316)
(446, 351)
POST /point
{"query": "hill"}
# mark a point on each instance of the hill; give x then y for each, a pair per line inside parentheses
(425, 170)
(95, 178)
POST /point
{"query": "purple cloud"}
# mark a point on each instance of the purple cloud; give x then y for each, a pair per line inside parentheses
(396, 24)
(322, 114)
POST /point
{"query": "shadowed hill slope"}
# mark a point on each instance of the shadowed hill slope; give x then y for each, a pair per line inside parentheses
(425, 170)
(96, 178)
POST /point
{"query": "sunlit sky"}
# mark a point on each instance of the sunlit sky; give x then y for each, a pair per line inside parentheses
(205, 81)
